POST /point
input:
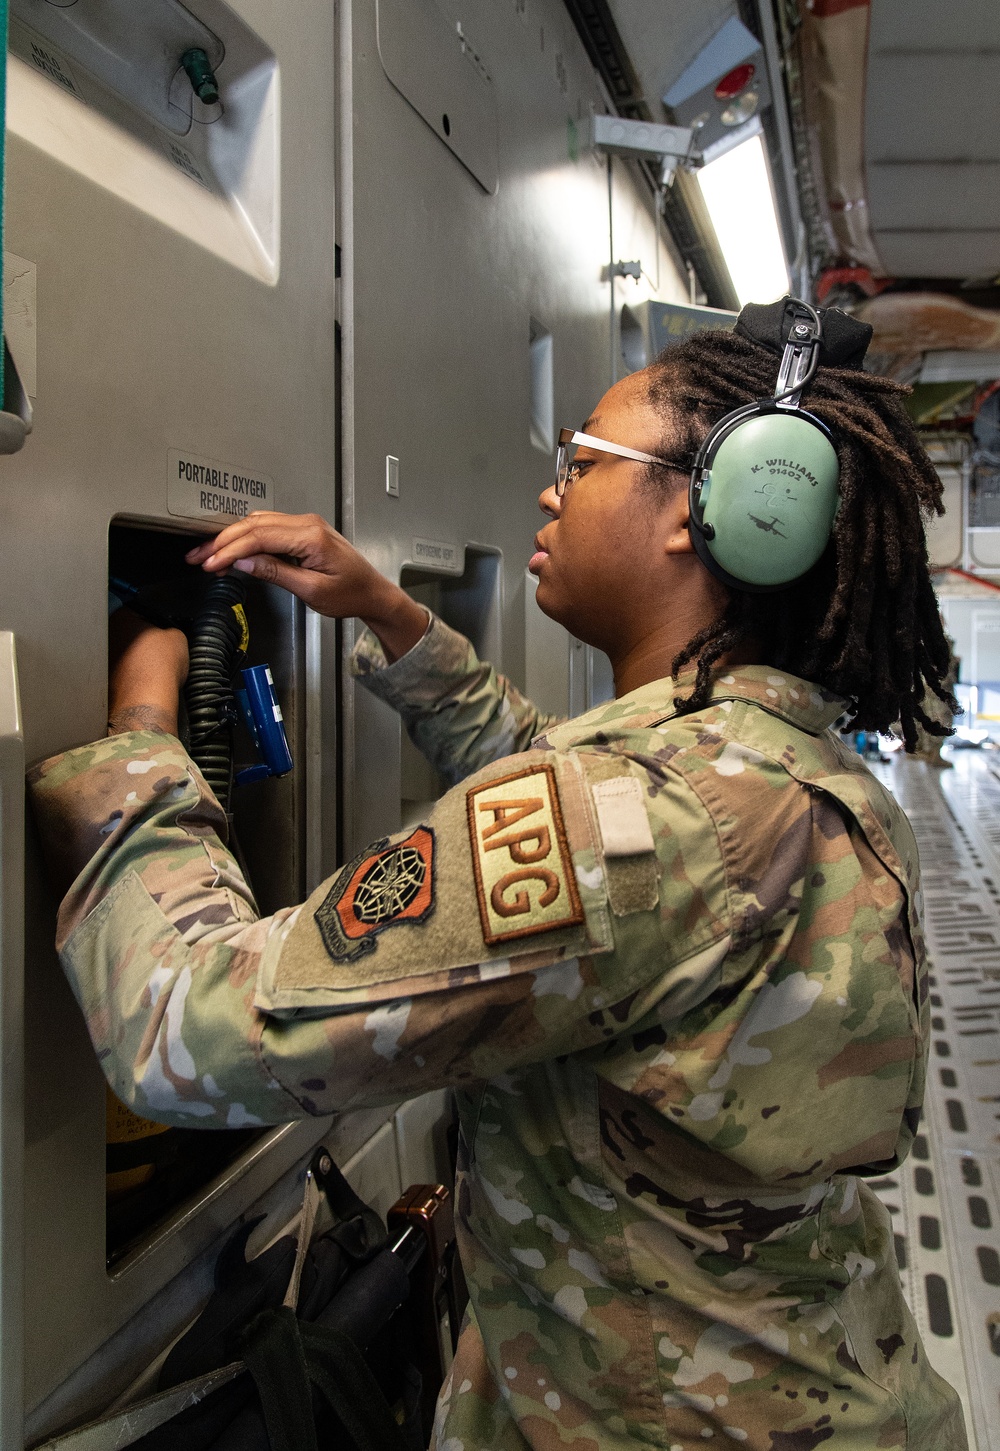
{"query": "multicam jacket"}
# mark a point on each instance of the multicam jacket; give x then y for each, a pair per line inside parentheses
(673, 966)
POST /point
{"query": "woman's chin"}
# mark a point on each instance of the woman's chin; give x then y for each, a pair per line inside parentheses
(546, 597)
(551, 602)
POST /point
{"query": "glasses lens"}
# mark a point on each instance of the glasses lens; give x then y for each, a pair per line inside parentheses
(562, 469)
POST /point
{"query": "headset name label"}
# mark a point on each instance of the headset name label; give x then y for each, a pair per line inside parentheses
(209, 488)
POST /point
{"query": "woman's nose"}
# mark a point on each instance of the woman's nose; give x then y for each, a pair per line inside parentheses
(549, 502)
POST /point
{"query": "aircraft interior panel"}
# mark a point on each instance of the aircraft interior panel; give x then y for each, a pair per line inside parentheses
(520, 264)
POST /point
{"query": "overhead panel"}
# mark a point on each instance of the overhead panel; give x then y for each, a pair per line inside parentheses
(663, 39)
(716, 68)
(932, 138)
(723, 91)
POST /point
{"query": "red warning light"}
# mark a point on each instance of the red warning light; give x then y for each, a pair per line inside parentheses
(736, 81)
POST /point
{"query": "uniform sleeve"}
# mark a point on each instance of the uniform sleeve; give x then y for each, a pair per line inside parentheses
(459, 712)
(497, 934)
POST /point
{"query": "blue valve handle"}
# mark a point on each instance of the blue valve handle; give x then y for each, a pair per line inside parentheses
(262, 714)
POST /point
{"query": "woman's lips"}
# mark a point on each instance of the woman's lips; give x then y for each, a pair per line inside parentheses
(537, 560)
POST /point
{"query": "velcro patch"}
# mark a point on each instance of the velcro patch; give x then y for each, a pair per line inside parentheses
(379, 889)
(525, 880)
(622, 816)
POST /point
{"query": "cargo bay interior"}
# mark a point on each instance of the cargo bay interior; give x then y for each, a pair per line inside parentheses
(363, 259)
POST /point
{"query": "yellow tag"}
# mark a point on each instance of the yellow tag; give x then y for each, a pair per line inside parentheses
(126, 1127)
(525, 881)
(123, 1126)
(241, 615)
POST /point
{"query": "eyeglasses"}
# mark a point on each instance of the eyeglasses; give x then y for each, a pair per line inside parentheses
(567, 472)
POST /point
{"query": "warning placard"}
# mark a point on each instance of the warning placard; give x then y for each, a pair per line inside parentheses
(210, 488)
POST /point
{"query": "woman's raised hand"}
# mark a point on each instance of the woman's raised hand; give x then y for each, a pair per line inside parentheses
(305, 555)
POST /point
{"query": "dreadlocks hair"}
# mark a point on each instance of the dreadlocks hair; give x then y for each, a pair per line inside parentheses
(864, 622)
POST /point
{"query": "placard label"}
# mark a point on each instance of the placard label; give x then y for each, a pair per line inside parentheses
(47, 60)
(184, 161)
(437, 554)
(209, 488)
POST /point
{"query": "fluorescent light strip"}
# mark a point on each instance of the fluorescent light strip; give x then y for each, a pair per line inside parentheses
(737, 191)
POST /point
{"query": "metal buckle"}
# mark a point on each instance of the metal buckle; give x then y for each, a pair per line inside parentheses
(798, 361)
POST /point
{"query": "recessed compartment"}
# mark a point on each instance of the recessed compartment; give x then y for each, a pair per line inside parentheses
(543, 423)
(472, 603)
(173, 108)
(154, 1174)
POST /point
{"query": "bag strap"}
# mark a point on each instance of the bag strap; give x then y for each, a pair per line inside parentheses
(340, 1372)
(358, 1230)
(287, 1358)
(273, 1354)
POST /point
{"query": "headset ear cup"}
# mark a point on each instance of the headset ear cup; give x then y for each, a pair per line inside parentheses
(764, 497)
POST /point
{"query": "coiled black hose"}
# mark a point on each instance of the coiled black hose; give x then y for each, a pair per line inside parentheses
(214, 639)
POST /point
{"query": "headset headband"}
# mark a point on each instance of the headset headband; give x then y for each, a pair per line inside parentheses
(800, 359)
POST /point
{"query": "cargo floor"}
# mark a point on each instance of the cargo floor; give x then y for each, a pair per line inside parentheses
(945, 1201)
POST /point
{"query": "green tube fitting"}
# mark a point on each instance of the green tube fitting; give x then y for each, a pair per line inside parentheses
(200, 74)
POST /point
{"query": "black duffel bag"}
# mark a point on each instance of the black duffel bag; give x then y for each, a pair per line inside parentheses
(334, 1371)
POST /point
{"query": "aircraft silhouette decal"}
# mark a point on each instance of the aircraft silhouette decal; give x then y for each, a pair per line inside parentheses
(769, 526)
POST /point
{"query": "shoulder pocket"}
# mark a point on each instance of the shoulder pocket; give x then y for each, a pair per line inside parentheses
(631, 867)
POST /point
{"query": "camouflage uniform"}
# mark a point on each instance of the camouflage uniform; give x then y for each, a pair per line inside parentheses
(672, 965)
(929, 746)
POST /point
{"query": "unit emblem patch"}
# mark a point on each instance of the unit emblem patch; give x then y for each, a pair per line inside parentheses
(389, 887)
(524, 871)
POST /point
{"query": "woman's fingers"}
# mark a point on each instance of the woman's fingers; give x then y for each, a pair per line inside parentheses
(305, 583)
(203, 551)
(300, 552)
(263, 538)
(264, 532)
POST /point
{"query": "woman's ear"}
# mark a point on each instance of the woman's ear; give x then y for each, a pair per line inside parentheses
(677, 512)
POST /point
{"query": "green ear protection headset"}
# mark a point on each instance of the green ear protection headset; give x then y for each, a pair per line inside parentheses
(763, 490)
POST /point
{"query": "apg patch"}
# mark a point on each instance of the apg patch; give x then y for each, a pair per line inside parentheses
(386, 886)
(525, 881)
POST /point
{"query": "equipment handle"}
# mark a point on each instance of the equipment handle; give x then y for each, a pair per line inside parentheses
(11, 1044)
